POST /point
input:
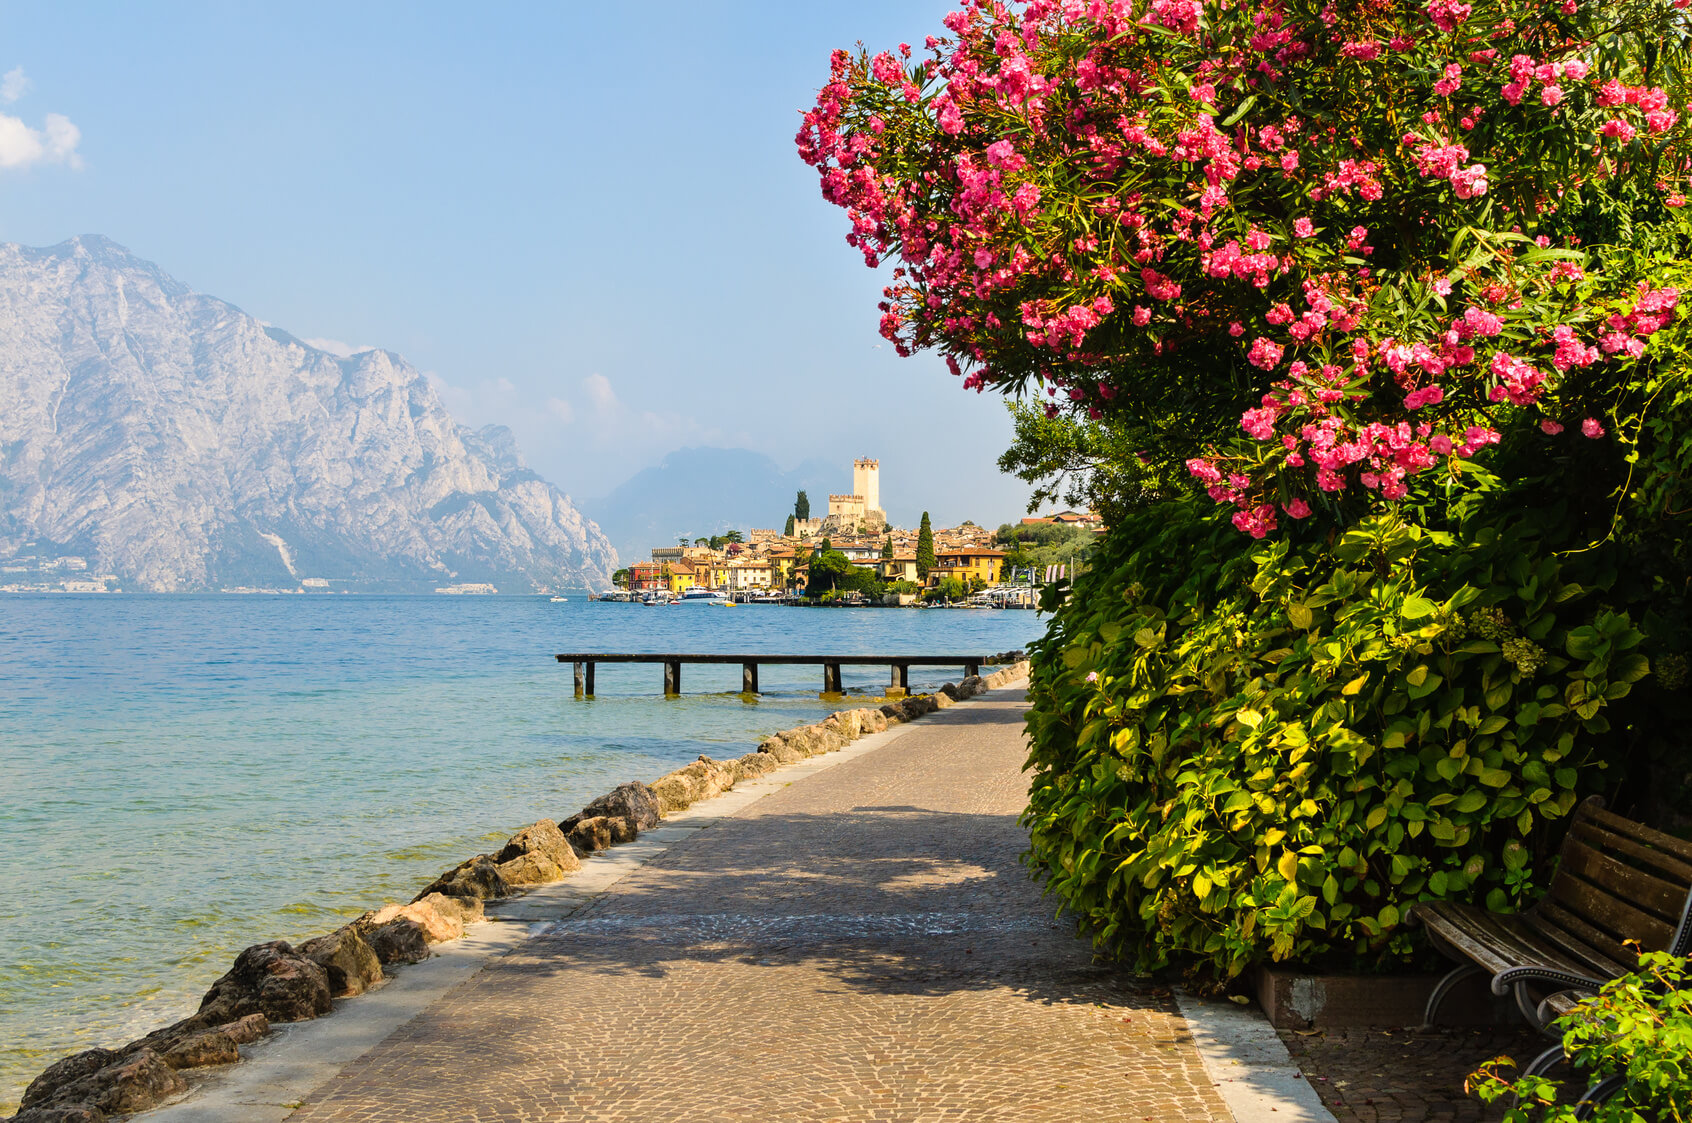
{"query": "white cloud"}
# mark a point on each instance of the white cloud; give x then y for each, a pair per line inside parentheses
(14, 85)
(504, 386)
(600, 393)
(561, 409)
(336, 347)
(54, 143)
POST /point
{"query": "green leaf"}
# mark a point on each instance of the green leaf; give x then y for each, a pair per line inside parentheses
(1239, 112)
(1299, 616)
(1415, 608)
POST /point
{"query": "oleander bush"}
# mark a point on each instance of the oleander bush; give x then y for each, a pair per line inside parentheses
(1638, 1028)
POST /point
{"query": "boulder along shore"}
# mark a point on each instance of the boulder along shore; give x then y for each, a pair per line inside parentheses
(278, 982)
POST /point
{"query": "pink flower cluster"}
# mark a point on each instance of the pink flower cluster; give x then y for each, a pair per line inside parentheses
(1057, 219)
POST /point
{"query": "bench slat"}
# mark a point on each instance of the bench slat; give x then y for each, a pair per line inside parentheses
(1568, 931)
(1662, 863)
(1639, 832)
(1661, 898)
(1495, 942)
(1607, 913)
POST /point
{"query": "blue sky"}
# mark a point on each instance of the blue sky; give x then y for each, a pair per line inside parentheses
(586, 221)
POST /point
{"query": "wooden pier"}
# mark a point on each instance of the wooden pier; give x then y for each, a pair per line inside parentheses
(899, 665)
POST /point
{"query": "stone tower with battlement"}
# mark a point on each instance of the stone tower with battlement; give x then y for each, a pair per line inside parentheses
(866, 481)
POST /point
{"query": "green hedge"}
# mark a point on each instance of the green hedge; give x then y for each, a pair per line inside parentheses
(1270, 750)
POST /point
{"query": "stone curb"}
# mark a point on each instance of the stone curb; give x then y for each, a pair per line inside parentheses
(281, 1070)
(1253, 1072)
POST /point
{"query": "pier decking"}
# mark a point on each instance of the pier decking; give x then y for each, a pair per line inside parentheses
(899, 665)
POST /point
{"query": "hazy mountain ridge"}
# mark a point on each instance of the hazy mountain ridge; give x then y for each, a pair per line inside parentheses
(180, 443)
(705, 491)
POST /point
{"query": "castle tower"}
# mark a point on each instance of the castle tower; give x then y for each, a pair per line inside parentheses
(866, 481)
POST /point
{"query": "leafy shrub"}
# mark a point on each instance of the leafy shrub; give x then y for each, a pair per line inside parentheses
(1639, 1027)
(1271, 750)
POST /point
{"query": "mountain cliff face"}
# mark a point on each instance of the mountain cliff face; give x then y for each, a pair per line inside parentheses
(173, 440)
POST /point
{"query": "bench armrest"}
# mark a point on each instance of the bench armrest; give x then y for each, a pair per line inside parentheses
(1564, 980)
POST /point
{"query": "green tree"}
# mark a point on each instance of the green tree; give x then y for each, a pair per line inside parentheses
(733, 536)
(887, 548)
(802, 506)
(787, 531)
(925, 547)
(620, 579)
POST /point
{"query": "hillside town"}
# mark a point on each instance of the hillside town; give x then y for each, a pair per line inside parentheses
(853, 555)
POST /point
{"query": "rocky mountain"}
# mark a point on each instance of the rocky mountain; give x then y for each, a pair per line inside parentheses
(171, 439)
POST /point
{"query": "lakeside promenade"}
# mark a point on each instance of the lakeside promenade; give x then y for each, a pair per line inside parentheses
(855, 942)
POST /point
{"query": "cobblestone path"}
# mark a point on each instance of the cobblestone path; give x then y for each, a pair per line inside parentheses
(860, 945)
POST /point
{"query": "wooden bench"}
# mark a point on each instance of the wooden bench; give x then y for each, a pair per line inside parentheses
(1616, 881)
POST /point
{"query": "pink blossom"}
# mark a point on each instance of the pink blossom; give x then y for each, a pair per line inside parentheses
(1297, 508)
(1470, 182)
(1303, 228)
(1590, 428)
(1618, 129)
(1551, 95)
(1550, 428)
(1236, 329)
(1264, 354)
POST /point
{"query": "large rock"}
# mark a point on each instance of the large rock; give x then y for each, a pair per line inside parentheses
(532, 869)
(753, 765)
(61, 1113)
(109, 1082)
(544, 838)
(203, 1049)
(435, 918)
(601, 832)
(396, 940)
(67, 1071)
(702, 779)
(779, 749)
(347, 958)
(633, 801)
(872, 721)
(478, 877)
(270, 979)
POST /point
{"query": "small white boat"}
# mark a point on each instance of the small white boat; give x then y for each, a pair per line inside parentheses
(560, 600)
(708, 596)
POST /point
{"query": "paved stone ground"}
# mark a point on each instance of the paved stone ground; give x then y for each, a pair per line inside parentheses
(861, 945)
(1406, 1076)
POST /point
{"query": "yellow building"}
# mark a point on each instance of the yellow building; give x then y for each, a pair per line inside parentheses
(681, 577)
(977, 564)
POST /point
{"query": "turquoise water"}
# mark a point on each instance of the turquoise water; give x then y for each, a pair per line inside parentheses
(185, 776)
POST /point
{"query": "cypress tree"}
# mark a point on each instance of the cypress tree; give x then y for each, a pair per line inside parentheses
(787, 531)
(887, 548)
(802, 506)
(925, 548)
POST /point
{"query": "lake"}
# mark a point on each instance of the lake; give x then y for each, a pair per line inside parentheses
(188, 775)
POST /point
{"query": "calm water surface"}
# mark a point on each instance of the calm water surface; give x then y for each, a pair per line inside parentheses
(184, 776)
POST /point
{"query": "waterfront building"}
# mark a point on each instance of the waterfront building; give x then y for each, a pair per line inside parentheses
(682, 577)
(748, 574)
(978, 563)
(646, 577)
(900, 567)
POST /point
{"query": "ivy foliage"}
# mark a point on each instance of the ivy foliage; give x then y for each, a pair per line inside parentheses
(1274, 749)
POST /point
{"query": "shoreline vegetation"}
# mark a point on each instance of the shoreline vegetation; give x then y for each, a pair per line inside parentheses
(278, 982)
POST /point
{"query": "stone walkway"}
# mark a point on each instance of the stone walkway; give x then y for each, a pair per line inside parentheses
(860, 945)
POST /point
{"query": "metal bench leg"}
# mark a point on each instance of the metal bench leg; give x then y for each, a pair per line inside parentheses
(1545, 1062)
(1443, 988)
(1598, 1093)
